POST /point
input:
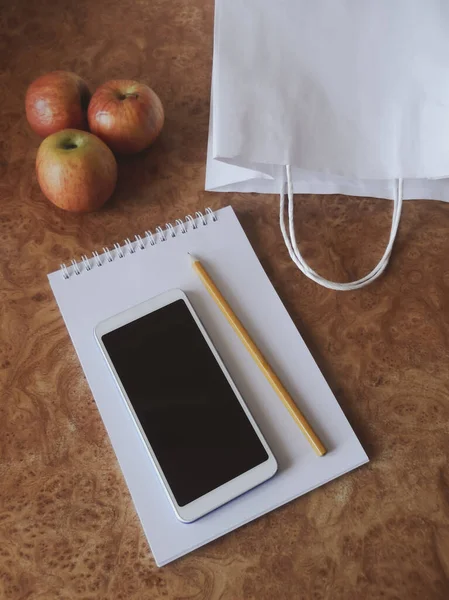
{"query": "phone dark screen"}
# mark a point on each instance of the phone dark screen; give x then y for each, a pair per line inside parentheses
(189, 412)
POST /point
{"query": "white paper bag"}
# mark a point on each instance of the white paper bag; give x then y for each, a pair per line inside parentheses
(352, 94)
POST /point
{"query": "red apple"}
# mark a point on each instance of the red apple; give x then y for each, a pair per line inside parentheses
(127, 115)
(57, 101)
(76, 170)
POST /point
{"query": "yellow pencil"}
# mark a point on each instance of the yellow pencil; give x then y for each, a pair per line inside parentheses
(274, 380)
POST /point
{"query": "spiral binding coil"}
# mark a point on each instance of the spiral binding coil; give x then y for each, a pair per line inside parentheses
(139, 243)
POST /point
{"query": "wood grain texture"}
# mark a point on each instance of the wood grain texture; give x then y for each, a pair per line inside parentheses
(68, 529)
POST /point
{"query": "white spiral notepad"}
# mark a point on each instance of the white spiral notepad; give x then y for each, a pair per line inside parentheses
(107, 283)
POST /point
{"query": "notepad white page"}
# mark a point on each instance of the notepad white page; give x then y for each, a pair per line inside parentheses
(99, 293)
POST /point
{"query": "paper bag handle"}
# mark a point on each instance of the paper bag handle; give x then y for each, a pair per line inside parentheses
(295, 254)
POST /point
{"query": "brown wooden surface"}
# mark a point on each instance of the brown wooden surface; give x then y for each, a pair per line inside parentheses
(68, 529)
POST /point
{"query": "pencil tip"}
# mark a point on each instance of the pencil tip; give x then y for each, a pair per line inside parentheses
(192, 258)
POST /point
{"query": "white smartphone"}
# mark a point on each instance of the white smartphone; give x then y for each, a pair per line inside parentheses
(200, 435)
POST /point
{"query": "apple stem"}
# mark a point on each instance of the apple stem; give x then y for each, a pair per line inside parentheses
(130, 95)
